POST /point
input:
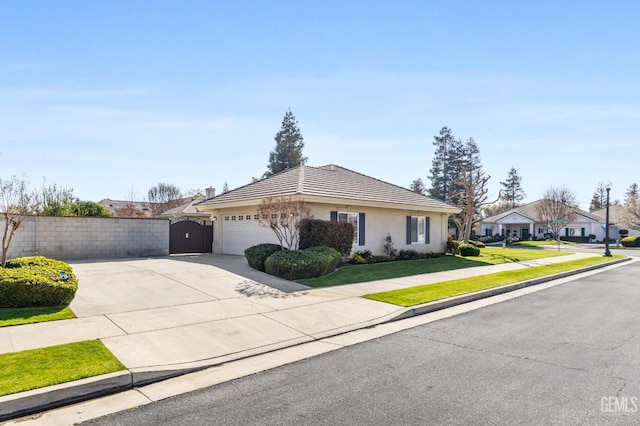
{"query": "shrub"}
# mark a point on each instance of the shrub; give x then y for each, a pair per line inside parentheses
(299, 264)
(409, 255)
(453, 246)
(36, 281)
(388, 248)
(325, 233)
(575, 239)
(478, 244)
(362, 256)
(469, 250)
(633, 241)
(256, 255)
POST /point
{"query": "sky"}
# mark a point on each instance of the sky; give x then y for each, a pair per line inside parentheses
(111, 98)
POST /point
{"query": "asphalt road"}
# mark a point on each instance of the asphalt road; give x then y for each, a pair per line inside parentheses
(565, 355)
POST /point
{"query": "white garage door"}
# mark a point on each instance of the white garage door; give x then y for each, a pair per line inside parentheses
(241, 231)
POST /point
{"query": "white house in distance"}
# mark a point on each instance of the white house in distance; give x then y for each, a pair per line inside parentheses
(522, 222)
(614, 225)
(374, 207)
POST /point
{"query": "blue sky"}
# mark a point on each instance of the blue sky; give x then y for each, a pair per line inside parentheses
(110, 98)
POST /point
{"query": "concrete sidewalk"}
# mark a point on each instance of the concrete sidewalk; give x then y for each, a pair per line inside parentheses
(162, 317)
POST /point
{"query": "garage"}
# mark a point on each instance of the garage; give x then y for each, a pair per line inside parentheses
(242, 230)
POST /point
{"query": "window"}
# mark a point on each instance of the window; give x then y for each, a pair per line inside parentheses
(233, 217)
(248, 217)
(351, 218)
(418, 230)
(226, 218)
(256, 217)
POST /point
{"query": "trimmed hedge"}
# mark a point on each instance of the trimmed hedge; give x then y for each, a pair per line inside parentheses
(256, 255)
(633, 241)
(469, 250)
(325, 233)
(311, 262)
(575, 239)
(477, 243)
(36, 281)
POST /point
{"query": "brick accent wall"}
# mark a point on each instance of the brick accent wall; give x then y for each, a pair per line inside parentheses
(68, 238)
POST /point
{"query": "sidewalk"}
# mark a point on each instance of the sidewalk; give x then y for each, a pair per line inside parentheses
(164, 317)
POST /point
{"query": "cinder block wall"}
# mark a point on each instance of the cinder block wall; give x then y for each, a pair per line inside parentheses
(91, 238)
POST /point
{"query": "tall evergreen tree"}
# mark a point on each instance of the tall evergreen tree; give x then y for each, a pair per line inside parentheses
(418, 187)
(445, 166)
(599, 199)
(512, 188)
(288, 151)
(632, 194)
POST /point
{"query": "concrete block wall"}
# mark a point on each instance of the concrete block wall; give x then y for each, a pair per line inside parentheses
(91, 238)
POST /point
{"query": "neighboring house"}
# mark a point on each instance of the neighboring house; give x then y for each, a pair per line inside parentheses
(614, 226)
(186, 211)
(522, 222)
(374, 207)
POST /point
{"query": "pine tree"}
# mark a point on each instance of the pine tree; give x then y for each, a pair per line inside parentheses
(632, 194)
(288, 151)
(418, 187)
(599, 199)
(512, 189)
(445, 166)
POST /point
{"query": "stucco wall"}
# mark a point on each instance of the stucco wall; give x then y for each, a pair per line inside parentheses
(88, 237)
(232, 237)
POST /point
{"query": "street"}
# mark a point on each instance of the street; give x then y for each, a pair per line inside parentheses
(564, 355)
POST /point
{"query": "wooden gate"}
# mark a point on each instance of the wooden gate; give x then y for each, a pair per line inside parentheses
(188, 236)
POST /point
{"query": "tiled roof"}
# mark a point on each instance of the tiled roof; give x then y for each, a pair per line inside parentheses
(529, 211)
(187, 208)
(614, 212)
(331, 182)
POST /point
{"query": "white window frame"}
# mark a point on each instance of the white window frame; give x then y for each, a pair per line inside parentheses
(352, 218)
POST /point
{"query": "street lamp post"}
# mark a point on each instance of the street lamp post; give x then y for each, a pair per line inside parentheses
(607, 253)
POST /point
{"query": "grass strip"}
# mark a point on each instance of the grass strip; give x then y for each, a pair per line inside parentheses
(38, 368)
(430, 292)
(379, 271)
(19, 316)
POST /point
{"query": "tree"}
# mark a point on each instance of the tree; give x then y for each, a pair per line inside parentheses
(89, 209)
(445, 164)
(288, 151)
(556, 209)
(512, 189)
(283, 215)
(163, 197)
(55, 201)
(495, 209)
(599, 199)
(16, 203)
(471, 199)
(418, 187)
(629, 215)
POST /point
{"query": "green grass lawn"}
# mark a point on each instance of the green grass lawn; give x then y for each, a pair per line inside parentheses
(38, 368)
(378, 271)
(19, 316)
(428, 293)
(539, 243)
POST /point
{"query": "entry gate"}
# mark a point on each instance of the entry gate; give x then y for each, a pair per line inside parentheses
(189, 236)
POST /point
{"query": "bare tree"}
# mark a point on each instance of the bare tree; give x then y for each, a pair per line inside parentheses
(556, 209)
(472, 198)
(283, 215)
(16, 204)
(629, 215)
(164, 196)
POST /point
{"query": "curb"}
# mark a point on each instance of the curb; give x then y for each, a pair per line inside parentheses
(42, 399)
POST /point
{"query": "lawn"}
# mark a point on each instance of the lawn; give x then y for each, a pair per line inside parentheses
(539, 243)
(378, 271)
(19, 316)
(431, 292)
(37, 368)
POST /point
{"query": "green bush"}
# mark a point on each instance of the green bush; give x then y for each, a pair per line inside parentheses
(325, 233)
(36, 281)
(453, 246)
(409, 255)
(256, 255)
(633, 241)
(311, 262)
(477, 243)
(575, 239)
(469, 250)
(363, 256)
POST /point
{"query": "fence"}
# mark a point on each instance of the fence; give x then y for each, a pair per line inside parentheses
(90, 237)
